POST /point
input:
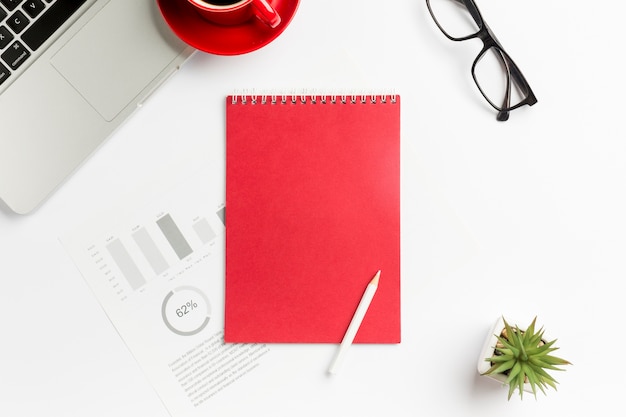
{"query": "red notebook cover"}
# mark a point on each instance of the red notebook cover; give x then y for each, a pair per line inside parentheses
(313, 212)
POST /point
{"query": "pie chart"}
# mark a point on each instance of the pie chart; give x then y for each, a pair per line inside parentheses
(186, 310)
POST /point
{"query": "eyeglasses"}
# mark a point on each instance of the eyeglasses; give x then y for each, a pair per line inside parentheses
(498, 78)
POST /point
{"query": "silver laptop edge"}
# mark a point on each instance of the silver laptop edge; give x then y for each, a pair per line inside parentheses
(104, 63)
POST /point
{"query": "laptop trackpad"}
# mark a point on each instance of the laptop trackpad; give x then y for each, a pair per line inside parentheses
(116, 55)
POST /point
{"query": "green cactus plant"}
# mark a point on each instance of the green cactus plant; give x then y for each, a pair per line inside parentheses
(523, 356)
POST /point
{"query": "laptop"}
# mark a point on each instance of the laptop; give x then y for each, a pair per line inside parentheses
(71, 71)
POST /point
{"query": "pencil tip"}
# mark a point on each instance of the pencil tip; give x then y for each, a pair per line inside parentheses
(376, 278)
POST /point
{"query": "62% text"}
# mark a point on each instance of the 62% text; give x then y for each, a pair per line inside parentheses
(186, 308)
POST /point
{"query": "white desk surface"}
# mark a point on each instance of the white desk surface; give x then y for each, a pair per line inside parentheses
(521, 218)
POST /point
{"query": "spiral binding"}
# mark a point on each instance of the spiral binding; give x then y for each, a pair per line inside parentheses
(313, 98)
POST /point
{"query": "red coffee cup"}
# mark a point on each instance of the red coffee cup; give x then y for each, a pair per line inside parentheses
(237, 12)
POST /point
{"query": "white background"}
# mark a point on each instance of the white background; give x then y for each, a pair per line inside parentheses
(520, 218)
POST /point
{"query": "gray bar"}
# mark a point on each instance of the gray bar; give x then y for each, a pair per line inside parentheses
(204, 231)
(150, 251)
(126, 264)
(221, 213)
(174, 236)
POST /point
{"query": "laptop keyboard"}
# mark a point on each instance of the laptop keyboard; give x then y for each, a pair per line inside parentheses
(25, 25)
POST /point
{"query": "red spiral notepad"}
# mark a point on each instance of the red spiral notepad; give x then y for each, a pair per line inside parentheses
(312, 213)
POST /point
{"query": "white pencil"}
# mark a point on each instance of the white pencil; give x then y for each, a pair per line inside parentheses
(355, 323)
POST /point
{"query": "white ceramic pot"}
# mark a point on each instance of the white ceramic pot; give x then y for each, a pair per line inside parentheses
(489, 349)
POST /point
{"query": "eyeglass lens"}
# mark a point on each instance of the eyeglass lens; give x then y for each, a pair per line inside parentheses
(454, 18)
(492, 73)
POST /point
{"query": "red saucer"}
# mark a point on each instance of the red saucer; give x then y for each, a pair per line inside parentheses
(188, 25)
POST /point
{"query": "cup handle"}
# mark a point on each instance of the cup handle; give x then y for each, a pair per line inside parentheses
(266, 13)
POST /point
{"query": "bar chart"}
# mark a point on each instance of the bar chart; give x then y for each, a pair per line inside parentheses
(158, 238)
(133, 256)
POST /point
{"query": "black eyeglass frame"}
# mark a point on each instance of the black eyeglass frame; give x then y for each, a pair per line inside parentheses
(490, 41)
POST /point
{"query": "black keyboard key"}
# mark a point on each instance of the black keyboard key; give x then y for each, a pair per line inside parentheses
(5, 37)
(15, 55)
(50, 21)
(18, 21)
(3, 14)
(11, 4)
(4, 73)
(33, 7)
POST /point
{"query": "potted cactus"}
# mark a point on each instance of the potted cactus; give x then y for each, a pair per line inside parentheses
(520, 358)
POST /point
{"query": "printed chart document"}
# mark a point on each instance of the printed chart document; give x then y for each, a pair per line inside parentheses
(156, 264)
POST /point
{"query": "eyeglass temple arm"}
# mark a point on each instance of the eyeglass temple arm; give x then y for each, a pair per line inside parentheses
(503, 115)
(513, 74)
(518, 78)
